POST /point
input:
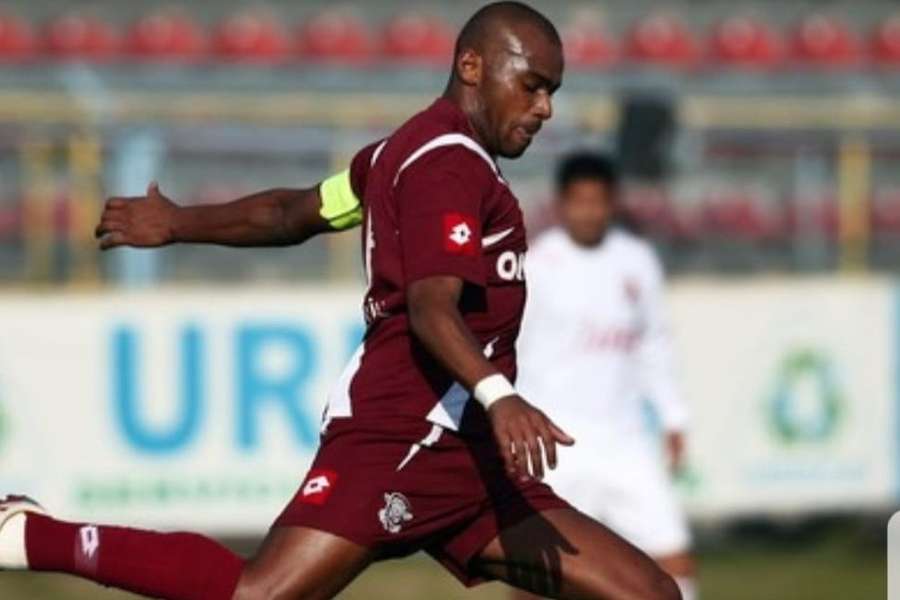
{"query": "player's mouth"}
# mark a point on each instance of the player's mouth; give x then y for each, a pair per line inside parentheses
(528, 132)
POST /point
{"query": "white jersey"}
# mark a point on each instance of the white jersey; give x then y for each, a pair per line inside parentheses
(594, 345)
(595, 341)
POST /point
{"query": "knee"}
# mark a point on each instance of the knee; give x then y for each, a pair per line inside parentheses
(251, 587)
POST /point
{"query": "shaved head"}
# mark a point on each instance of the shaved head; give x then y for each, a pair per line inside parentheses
(484, 25)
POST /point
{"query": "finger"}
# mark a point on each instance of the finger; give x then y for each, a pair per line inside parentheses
(559, 435)
(537, 460)
(107, 226)
(549, 444)
(112, 240)
(506, 452)
(153, 189)
(521, 455)
(115, 203)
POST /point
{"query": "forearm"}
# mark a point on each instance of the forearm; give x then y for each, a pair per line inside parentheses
(437, 323)
(447, 338)
(275, 217)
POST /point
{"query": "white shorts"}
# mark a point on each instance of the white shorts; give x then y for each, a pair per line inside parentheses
(626, 486)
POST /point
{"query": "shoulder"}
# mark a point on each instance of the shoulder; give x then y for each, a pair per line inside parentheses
(449, 152)
(548, 247)
(635, 250)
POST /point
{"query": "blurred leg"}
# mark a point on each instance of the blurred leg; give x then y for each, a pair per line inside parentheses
(293, 562)
(164, 565)
(565, 554)
(301, 564)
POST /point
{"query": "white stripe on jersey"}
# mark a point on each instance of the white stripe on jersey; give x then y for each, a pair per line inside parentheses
(448, 411)
(339, 404)
(377, 153)
(449, 139)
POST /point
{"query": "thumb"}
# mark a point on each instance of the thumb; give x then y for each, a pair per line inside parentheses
(153, 189)
(561, 436)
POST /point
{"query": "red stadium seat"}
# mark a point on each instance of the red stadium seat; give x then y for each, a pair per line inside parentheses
(826, 42)
(738, 214)
(165, 36)
(885, 214)
(336, 37)
(885, 42)
(81, 38)
(251, 37)
(661, 39)
(17, 40)
(744, 42)
(588, 45)
(418, 39)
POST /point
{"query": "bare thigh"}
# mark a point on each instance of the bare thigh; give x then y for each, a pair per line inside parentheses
(566, 554)
(298, 563)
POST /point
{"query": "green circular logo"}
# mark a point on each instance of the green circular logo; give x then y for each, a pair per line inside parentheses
(806, 404)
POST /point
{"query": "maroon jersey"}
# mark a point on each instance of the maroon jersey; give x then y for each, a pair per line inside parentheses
(384, 477)
(435, 203)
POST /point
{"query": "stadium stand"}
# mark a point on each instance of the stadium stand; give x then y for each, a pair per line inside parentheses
(884, 42)
(823, 41)
(418, 39)
(661, 39)
(336, 37)
(251, 37)
(165, 36)
(589, 45)
(17, 39)
(744, 42)
(76, 37)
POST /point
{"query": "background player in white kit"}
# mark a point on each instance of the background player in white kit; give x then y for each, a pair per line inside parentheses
(594, 348)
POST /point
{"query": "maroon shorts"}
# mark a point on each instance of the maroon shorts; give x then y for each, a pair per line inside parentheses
(448, 494)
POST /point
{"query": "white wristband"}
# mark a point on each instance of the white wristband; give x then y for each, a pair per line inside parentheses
(492, 388)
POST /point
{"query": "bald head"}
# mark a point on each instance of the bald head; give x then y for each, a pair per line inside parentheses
(486, 25)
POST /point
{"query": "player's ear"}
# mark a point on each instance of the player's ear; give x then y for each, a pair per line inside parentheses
(469, 65)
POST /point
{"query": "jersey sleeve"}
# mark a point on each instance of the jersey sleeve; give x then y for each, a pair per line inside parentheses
(439, 201)
(655, 351)
(342, 194)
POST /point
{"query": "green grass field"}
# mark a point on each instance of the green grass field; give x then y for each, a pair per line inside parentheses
(832, 563)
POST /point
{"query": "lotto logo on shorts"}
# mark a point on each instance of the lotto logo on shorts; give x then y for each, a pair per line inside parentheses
(459, 234)
(318, 487)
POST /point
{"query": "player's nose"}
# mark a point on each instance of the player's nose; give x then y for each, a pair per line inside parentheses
(543, 107)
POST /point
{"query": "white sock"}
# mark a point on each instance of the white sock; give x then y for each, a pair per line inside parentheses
(688, 587)
(12, 544)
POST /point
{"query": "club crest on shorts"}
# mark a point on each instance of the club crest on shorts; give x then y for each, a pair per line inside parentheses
(395, 513)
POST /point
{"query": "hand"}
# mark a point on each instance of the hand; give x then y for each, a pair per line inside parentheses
(142, 222)
(520, 430)
(675, 450)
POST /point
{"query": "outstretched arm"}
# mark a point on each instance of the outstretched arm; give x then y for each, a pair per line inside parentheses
(276, 217)
(520, 429)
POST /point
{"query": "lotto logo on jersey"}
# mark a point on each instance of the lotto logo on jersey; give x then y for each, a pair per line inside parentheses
(459, 234)
(318, 487)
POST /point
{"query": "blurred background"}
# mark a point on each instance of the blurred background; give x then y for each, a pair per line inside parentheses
(182, 387)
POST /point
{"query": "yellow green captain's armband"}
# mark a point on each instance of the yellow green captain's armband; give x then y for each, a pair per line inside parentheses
(340, 206)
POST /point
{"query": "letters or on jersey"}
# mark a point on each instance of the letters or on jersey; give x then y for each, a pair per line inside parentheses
(434, 204)
(595, 342)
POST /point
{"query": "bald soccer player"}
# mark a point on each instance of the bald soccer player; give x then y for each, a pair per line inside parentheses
(407, 462)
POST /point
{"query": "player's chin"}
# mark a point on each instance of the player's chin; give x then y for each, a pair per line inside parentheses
(515, 149)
